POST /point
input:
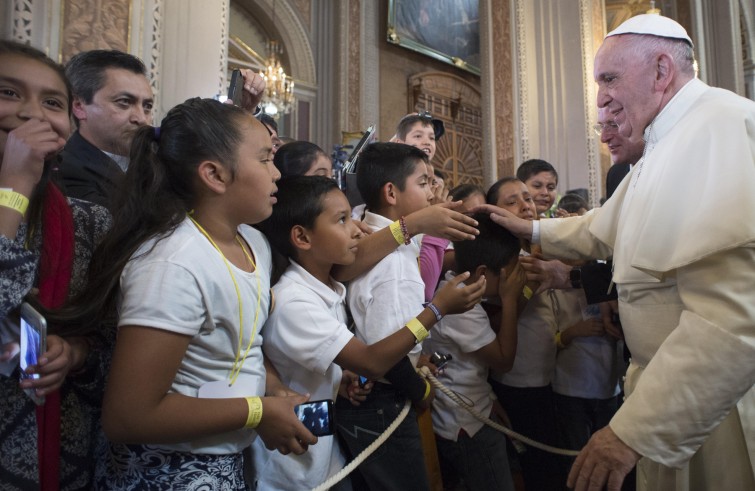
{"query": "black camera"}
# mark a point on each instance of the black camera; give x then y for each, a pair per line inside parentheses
(440, 360)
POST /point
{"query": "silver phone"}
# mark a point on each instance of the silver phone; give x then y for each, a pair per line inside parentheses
(33, 345)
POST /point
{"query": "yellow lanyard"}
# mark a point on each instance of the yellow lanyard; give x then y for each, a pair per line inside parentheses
(238, 362)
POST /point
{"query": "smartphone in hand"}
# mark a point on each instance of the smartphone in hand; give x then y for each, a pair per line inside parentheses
(317, 416)
(33, 345)
(236, 88)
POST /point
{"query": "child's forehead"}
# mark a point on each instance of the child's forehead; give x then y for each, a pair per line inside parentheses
(334, 200)
(420, 125)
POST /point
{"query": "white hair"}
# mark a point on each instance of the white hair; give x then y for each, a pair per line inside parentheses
(679, 50)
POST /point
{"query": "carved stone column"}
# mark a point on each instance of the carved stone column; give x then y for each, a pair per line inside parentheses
(496, 79)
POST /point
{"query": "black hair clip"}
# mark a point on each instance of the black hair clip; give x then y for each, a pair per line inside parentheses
(156, 131)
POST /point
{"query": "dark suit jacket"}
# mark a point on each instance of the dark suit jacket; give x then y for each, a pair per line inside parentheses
(88, 173)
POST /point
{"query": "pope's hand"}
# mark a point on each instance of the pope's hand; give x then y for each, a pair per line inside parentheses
(603, 463)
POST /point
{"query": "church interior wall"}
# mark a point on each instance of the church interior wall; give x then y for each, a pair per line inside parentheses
(348, 75)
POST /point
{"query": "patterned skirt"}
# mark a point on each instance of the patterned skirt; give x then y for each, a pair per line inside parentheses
(150, 468)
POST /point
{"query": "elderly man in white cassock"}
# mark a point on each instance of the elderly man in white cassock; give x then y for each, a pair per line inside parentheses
(681, 230)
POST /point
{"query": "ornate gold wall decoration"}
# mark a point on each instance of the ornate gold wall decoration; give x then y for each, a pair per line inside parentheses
(95, 24)
(354, 59)
(457, 103)
(503, 87)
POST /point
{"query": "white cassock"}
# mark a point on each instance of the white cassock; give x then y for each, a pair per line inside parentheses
(681, 229)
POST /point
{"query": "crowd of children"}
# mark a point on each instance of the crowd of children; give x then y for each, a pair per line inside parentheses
(239, 295)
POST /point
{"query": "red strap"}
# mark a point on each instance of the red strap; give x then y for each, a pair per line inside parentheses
(55, 268)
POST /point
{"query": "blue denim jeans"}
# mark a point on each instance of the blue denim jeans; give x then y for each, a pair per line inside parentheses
(399, 463)
(481, 460)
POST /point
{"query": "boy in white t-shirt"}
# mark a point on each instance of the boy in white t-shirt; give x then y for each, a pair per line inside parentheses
(476, 452)
(393, 180)
(306, 337)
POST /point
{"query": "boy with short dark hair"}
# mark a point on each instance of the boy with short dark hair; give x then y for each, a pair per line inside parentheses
(394, 182)
(306, 336)
(467, 447)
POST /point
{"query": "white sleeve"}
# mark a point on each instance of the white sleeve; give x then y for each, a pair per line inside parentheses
(570, 238)
(394, 303)
(307, 333)
(704, 366)
(470, 331)
(162, 295)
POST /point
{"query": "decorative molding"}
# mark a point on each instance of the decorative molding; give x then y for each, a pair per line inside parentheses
(152, 56)
(23, 23)
(344, 71)
(295, 39)
(353, 56)
(488, 93)
(369, 91)
(503, 89)
(223, 62)
(93, 24)
(304, 9)
(523, 146)
(589, 97)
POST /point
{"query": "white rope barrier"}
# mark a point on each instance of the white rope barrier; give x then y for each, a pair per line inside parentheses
(425, 372)
(337, 477)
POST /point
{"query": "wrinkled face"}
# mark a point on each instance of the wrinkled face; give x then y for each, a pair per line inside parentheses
(335, 236)
(626, 85)
(623, 149)
(416, 194)
(253, 186)
(515, 197)
(422, 136)
(542, 187)
(118, 109)
(322, 166)
(31, 89)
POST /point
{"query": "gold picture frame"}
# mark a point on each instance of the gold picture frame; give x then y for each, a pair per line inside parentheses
(447, 30)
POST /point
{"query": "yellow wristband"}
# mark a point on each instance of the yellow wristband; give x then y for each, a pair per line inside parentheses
(427, 390)
(417, 329)
(395, 228)
(559, 343)
(527, 292)
(16, 201)
(255, 412)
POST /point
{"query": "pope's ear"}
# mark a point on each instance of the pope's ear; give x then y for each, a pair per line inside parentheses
(299, 237)
(665, 70)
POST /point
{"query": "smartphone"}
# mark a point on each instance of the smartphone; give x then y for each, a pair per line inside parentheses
(33, 344)
(317, 416)
(363, 381)
(350, 165)
(440, 360)
(236, 88)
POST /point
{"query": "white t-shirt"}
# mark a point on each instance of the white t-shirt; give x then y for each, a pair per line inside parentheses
(590, 366)
(183, 286)
(385, 298)
(460, 335)
(536, 347)
(305, 332)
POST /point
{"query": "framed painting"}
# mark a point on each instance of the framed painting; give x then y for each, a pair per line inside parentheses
(447, 30)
